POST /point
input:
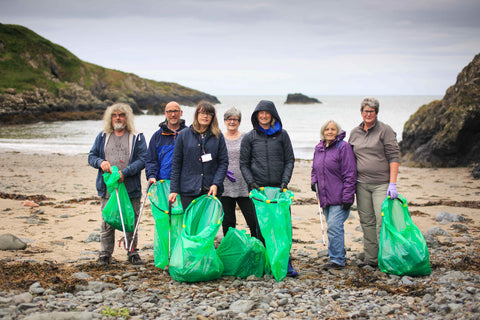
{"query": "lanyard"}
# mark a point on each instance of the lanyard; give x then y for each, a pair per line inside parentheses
(202, 137)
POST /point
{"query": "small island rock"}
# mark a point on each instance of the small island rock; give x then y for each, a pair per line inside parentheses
(298, 98)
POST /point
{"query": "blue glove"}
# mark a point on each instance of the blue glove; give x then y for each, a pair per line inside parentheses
(392, 191)
(230, 176)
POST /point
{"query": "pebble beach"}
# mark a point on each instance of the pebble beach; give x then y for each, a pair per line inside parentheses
(49, 201)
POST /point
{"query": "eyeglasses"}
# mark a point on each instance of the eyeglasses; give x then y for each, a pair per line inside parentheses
(368, 111)
(118, 115)
(172, 111)
(205, 113)
(232, 120)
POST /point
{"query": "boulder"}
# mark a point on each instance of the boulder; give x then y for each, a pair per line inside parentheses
(446, 133)
(10, 242)
(298, 98)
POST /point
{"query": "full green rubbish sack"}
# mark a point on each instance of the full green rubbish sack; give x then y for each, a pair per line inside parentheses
(167, 229)
(402, 247)
(241, 254)
(194, 257)
(273, 213)
(111, 212)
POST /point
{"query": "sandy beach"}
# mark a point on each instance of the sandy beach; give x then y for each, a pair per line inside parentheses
(68, 212)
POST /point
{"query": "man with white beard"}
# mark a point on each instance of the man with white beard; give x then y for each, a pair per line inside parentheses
(119, 145)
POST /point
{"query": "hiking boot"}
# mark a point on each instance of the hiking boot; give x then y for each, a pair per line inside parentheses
(135, 259)
(290, 271)
(103, 260)
(332, 265)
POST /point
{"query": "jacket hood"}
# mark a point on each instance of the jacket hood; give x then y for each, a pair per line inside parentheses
(340, 137)
(265, 105)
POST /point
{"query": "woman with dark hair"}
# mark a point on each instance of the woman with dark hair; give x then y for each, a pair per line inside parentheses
(200, 158)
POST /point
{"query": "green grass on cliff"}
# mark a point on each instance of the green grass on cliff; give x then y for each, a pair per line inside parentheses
(28, 61)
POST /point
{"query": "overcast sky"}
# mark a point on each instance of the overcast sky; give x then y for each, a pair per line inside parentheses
(260, 47)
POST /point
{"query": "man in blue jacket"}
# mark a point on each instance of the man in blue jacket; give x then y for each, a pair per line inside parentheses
(162, 144)
(118, 145)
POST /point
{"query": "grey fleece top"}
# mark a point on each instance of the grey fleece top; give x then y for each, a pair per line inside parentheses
(374, 151)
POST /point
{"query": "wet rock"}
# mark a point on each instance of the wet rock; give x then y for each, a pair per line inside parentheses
(62, 316)
(22, 298)
(36, 288)
(11, 242)
(93, 237)
(437, 231)
(441, 216)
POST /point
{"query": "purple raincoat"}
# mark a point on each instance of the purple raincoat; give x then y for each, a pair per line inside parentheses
(334, 169)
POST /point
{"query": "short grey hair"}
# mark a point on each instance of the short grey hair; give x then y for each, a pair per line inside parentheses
(322, 129)
(370, 102)
(232, 112)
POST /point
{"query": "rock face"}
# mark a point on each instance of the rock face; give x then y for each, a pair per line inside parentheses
(298, 98)
(41, 81)
(446, 133)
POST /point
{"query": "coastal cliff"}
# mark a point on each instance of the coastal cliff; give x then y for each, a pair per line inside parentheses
(446, 133)
(42, 81)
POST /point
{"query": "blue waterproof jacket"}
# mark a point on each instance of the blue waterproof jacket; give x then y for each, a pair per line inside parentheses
(192, 177)
(335, 171)
(160, 152)
(131, 173)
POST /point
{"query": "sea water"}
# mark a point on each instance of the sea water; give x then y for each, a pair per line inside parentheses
(302, 122)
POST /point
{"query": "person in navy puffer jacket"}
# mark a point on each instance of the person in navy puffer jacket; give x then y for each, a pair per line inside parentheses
(266, 155)
(334, 174)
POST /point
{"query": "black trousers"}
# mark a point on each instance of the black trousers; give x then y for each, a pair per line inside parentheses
(248, 211)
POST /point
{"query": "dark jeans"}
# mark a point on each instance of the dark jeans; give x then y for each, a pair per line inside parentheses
(248, 210)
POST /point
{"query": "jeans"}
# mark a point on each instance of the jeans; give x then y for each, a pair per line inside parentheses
(335, 217)
(107, 233)
(248, 210)
(369, 203)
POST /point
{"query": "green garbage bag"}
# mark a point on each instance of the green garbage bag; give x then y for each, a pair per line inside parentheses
(273, 214)
(194, 257)
(167, 228)
(241, 254)
(402, 247)
(111, 212)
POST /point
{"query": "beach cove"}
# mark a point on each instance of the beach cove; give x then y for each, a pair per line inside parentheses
(57, 233)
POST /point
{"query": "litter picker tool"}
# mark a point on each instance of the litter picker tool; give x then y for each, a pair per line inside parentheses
(125, 239)
(130, 249)
(321, 214)
(169, 229)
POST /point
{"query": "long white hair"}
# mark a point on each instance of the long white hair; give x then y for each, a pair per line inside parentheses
(121, 107)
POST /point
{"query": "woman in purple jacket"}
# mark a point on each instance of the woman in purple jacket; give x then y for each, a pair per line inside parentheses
(334, 173)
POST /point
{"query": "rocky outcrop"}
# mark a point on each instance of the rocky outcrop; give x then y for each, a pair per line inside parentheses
(446, 133)
(298, 98)
(41, 81)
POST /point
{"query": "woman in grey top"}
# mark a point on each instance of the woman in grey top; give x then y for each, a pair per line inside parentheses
(235, 187)
(377, 153)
